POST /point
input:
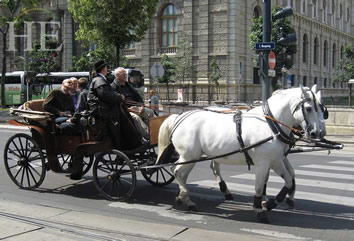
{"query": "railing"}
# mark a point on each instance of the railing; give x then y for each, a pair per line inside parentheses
(168, 50)
(127, 52)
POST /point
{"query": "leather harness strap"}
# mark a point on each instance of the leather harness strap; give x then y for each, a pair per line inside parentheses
(238, 121)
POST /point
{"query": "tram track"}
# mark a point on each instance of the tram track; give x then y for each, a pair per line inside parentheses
(90, 233)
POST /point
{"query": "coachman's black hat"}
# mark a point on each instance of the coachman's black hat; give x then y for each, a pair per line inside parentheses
(99, 65)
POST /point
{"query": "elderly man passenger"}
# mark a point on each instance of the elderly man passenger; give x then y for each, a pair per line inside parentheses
(133, 100)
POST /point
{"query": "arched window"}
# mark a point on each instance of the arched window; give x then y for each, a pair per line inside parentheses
(341, 52)
(334, 53)
(305, 48)
(325, 53)
(256, 12)
(315, 51)
(169, 26)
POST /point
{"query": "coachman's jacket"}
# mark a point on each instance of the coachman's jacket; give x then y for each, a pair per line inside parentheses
(104, 103)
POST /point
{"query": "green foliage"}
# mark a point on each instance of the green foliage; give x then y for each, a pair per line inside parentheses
(183, 62)
(88, 58)
(214, 72)
(43, 61)
(108, 22)
(345, 68)
(283, 53)
(169, 66)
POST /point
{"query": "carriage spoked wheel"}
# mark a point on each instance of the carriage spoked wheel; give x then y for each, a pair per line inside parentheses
(24, 161)
(114, 175)
(66, 163)
(157, 176)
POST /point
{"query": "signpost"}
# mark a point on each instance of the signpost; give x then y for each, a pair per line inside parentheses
(272, 60)
(157, 71)
(265, 46)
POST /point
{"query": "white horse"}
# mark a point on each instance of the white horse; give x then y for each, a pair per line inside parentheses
(198, 133)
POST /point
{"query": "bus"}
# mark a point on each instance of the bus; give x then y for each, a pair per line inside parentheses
(44, 83)
(16, 91)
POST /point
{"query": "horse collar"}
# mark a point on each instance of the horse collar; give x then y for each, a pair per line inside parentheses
(274, 126)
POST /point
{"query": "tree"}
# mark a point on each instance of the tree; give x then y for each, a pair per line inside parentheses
(169, 66)
(284, 53)
(43, 61)
(183, 62)
(345, 69)
(112, 23)
(11, 11)
(213, 77)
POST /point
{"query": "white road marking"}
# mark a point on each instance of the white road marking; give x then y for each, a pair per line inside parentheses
(333, 168)
(161, 210)
(343, 162)
(274, 234)
(304, 182)
(325, 174)
(323, 198)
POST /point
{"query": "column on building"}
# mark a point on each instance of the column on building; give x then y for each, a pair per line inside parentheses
(68, 41)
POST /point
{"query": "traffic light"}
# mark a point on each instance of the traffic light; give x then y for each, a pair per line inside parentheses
(286, 39)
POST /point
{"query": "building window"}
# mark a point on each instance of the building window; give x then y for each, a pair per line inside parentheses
(256, 12)
(324, 13)
(314, 8)
(169, 26)
(304, 7)
(334, 53)
(315, 51)
(305, 49)
(325, 53)
(315, 81)
(304, 81)
(341, 52)
(325, 82)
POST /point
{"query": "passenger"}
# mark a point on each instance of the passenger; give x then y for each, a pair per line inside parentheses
(75, 92)
(105, 103)
(140, 114)
(82, 100)
(60, 103)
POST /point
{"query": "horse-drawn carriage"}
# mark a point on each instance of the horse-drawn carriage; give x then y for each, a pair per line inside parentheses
(28, 157)
(261, 137)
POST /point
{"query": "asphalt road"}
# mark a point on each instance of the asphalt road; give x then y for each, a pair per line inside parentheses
(324, 198)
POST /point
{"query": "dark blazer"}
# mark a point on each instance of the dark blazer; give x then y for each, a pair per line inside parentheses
(135, 93)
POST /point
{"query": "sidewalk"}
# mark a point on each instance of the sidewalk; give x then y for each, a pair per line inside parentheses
(21, 221)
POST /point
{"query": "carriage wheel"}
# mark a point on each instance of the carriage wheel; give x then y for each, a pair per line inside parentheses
(24, 161)
(66, 164)
(159, 176)
(114, 175)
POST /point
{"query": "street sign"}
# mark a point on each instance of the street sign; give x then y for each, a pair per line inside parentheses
(265, 46)
(157, 71)
(272, 60)
(271, 73)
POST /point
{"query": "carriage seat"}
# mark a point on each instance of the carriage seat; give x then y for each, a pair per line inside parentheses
(33, 112)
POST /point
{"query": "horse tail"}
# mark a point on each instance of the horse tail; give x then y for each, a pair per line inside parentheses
(165, 146)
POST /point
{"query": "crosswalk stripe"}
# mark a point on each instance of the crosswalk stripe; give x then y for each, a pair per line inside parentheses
(304, 182)
(325, 174)
(333, 168)
(324, 198)
(343, 162)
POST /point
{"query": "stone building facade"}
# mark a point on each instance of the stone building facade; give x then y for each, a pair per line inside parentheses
(220, 29)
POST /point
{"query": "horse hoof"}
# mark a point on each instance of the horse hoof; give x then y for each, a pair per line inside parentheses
(193, 208)
(262, 217)
(290, 203)
(229, 197)
(271, 204)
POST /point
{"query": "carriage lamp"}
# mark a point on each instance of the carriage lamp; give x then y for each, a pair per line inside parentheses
(83, 121)
(91, 121)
